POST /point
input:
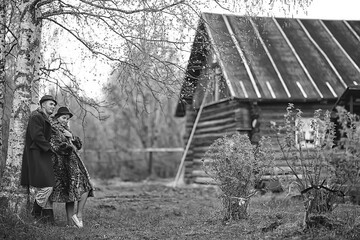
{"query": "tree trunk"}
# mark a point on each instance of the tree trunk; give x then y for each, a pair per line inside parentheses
(2, 81)
(12, 193)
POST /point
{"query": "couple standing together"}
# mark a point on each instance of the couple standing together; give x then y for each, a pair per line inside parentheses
(52, 166)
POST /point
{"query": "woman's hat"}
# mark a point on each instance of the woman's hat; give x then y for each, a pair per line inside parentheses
(63, 111)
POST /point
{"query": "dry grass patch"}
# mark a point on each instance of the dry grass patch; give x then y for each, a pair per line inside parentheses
(154, 211)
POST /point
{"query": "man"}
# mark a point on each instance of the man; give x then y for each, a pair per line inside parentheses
(37, 167)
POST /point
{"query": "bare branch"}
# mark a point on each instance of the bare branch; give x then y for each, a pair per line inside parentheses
(133, 11)
(89, 47)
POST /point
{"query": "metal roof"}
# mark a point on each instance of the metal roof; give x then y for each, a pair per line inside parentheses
(276, 58)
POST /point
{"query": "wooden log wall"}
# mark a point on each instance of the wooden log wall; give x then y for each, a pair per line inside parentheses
(217, 119)
(230, 116)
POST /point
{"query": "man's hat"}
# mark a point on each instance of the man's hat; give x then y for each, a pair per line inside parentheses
(63, 111)
(47, 98)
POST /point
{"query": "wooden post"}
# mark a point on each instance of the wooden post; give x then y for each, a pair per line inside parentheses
(180, 169)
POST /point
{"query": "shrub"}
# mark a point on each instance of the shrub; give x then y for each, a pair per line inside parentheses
(324, 169)
(236, 166)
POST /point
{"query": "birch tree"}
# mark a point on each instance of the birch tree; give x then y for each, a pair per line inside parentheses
(26, 70)
(2, 77)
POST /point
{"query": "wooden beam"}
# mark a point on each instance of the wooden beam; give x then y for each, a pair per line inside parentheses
(218, 121)
(215, 129)
(157, 149)
(180, 169)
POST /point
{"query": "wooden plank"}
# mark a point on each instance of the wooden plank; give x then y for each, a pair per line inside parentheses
(223, 106)
(215, 122)
(220, 116)
(199, 173)
(204, 142)
(157, 149)
(222, 128)
(200, 136)
(204, 180)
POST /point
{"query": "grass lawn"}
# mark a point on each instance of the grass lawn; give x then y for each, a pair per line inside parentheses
(154, 211)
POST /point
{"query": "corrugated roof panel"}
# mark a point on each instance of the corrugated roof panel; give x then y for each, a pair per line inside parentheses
(273, 63)
(260, 64)
(316, 36)
(243, 59)
(228, 55)
(342, 65)
(349, 42)
(282, 54)
(314, 62)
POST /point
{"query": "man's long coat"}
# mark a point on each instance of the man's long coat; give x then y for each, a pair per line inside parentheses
(37, 167)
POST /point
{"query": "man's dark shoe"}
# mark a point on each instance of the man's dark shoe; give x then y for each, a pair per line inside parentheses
(36, 211)
(48, 216)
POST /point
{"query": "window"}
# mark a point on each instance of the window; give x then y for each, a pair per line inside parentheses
(309, 135)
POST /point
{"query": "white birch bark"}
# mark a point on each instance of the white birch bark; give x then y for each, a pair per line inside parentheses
(29, 44)
(2, 80)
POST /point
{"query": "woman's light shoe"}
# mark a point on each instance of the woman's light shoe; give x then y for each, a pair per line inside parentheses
(77, 221)
(81, 222)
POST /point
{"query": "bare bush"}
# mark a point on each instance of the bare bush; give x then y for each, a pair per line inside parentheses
(236, 166)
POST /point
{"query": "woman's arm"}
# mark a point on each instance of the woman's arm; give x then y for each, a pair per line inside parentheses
(59, 144)
(77, 142)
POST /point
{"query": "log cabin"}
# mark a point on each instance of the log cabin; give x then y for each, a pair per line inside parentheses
(243, 71)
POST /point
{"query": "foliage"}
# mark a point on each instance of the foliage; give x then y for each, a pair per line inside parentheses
(236, 166)
(324, 169)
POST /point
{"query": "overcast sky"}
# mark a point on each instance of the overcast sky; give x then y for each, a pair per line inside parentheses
(335, 9)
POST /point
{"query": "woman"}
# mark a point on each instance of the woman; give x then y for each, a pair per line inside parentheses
(72, 181)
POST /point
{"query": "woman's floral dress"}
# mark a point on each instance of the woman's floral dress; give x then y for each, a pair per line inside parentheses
(71, 177)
